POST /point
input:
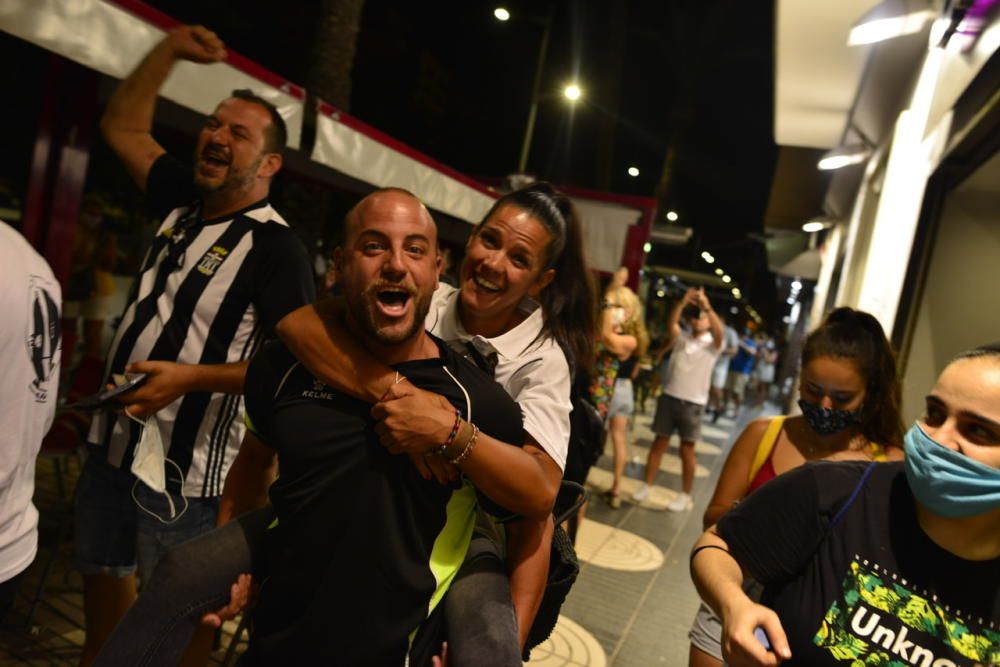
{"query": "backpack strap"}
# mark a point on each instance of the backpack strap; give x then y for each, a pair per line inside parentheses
(854, 495)
(766, 446)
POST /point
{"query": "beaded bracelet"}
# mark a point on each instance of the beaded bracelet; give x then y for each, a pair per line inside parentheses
(468, 447)
(450, 440)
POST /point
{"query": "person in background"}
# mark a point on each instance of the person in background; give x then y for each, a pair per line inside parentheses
(739, 372)
(763, 371)
(645, 379)
(29, 350)
(685, 390)
(446, 274)
(873, 563)
(222, 270)
(716, 397)
(850, 401)
(626, 309)
(90, 290)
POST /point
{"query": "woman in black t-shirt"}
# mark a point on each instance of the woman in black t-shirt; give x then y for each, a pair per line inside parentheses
(892, 563)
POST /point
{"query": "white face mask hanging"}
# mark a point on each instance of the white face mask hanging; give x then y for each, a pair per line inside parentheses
(149, 466)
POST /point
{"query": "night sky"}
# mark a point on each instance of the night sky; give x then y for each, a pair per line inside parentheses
(450, 80)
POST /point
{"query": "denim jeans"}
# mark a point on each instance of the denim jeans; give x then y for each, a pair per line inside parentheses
(189, 580)
(113, 534)
(196, 576)
(153, 538)
(479, 612)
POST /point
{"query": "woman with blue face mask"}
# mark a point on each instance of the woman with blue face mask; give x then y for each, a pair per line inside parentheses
(850, 403)
(874, 563)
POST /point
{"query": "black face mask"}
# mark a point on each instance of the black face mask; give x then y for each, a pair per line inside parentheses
(827, 421)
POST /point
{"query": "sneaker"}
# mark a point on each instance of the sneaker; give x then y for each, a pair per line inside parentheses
(641, 494)
(681, 503)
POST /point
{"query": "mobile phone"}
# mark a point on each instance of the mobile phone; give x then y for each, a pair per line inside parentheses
(105, 398)
(762, 637)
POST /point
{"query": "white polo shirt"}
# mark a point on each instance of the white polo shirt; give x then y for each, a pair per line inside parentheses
(532, 370)
(689, 373)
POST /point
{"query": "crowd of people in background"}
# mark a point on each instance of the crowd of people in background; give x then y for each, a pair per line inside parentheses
(432, 435)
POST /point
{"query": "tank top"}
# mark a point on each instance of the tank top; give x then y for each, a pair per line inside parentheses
(626, 367)
(762, 468)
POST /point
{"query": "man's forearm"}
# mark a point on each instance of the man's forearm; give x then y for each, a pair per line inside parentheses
(674, 321)
(529, 544)
(219, 378)
(131, 106)
(715, 326)
(318, 337)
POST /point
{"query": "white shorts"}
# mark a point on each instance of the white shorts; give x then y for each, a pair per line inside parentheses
(764, 373)
(623, 400)
(719, 374)
(706, 632)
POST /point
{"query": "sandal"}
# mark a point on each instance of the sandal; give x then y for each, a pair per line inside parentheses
(613, 499)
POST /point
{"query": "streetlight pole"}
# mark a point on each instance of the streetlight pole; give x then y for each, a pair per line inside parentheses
(529, 130)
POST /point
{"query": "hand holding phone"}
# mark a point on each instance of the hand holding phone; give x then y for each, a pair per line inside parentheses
(108, 397)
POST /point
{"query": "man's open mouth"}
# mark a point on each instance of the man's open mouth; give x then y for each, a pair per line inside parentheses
(215, 158)
(392, 301)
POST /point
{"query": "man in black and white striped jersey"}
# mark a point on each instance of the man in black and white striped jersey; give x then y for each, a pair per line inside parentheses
(223, 269)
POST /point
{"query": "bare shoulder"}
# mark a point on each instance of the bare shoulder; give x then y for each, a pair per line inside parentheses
(754, 431)
(745, 447)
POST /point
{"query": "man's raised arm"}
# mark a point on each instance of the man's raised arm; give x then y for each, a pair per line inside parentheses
(127, 122)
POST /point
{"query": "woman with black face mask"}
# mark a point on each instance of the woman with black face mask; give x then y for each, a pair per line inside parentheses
(850, 400)
(873, 563)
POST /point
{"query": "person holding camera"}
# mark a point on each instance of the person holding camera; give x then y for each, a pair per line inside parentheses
(686, 380)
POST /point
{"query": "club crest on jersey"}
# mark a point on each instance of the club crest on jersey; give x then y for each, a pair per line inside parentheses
(212, 260)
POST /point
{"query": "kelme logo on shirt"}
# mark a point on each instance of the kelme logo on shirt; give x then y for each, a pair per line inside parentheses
(880, 620)
(212, 260)
(318, 391)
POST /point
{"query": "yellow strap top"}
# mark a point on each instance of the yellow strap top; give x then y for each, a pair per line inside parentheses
(878, 452)
(766, 445)
(770, 437)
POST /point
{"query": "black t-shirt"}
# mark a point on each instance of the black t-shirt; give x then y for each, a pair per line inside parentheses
(860, 583)
(351, 573)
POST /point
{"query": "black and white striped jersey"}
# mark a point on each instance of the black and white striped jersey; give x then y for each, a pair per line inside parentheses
(208, 292)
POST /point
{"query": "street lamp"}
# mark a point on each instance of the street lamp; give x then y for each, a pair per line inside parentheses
(572, 92)
(633, 171)
(536, 85)
(672, 216)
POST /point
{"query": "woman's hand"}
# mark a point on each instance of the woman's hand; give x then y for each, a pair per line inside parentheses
(432, 466)
(411, 420)
(239, 596)
(741, 647)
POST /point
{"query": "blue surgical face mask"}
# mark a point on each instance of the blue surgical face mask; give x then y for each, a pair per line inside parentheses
(827, 421)
(947, 482)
